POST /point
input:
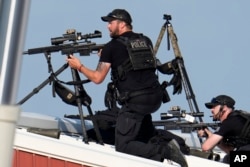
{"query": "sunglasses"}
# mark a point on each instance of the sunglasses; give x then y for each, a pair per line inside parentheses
(214, 100)
(115, 16)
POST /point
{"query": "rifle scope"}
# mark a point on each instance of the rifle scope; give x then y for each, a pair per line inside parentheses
(179, 115)
(72, 35)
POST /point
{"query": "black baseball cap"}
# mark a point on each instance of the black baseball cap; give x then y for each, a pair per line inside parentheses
(221, 100)
(118, 14)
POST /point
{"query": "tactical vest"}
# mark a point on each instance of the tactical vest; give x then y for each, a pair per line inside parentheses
(140, 53)
(244, 138)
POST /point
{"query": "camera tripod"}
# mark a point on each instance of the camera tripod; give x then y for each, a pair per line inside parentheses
(79, 92)
(167, 26)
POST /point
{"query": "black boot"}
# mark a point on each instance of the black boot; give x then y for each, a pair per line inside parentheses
(173, 152)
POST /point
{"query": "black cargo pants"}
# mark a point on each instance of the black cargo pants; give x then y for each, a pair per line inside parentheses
(128, 136)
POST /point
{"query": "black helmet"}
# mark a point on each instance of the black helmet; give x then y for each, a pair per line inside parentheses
(118, 14)
(221, 100)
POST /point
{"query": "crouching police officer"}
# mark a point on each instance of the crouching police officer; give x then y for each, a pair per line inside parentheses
(233, 133)
(130, 57)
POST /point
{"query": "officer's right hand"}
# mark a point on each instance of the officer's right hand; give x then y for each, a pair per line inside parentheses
(202, 133)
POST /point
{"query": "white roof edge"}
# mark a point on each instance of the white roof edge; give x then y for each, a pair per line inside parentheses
(77, 151)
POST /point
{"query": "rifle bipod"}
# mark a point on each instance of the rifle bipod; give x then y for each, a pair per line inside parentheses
(44, 83)
(83, 99)
(79, 91)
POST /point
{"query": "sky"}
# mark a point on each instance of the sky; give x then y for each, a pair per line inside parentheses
(213, 37)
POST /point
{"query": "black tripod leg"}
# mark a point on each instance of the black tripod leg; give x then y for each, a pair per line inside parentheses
(86, 100)
(188, 88)
(96, 128)
(79, 104)
(44, 83)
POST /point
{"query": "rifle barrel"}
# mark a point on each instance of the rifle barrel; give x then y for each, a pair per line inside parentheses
(187, 126)
(83, 49)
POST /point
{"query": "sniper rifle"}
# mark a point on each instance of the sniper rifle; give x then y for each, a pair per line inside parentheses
(184, 126)
(185, 121)
(71, 42)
